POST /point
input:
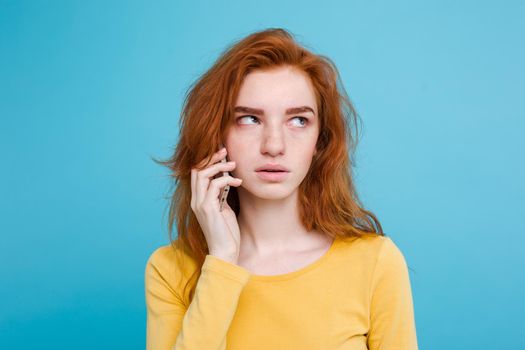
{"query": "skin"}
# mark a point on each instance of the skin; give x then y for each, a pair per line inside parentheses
(268, 220)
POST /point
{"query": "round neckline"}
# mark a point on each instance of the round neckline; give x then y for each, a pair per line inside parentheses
(296, 273)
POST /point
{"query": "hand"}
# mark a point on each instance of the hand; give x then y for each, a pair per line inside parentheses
(220, 228)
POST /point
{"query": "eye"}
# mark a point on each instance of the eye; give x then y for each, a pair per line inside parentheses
(305, 120)
(247, 117)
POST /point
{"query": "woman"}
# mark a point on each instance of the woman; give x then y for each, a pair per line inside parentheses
(293, 260)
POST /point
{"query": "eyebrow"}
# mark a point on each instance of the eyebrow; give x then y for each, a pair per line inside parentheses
(293, 110)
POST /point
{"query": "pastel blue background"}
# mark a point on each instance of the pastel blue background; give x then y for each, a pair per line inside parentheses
(90, 90)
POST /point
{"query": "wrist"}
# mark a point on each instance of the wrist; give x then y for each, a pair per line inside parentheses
(231, 258)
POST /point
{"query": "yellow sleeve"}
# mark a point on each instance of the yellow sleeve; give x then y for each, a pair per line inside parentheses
(205, 322)
(392, 323)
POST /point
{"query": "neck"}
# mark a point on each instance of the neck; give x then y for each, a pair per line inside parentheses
(272, 226)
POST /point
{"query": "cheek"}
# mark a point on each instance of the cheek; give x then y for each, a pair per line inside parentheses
(238, 157)
(237, 147)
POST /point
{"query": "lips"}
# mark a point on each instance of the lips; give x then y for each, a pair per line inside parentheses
(272, 168)
(272, 176)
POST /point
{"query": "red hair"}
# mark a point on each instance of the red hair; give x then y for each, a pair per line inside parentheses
(328, 201)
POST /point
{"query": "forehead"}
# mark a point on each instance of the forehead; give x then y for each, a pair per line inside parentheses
(277, 88)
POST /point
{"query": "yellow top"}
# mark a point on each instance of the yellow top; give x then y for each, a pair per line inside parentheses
(356, 296)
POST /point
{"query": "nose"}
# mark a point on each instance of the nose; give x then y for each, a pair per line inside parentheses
(273, 141)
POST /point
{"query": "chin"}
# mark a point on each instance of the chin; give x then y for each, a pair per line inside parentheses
(269, 190)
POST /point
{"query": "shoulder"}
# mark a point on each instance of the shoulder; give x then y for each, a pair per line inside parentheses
(373, 250)
(390, 254)
(162, 255)
(169, 262)
(388, 267)
(366, 245)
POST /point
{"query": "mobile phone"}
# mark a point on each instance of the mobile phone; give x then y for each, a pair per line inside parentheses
(226, 189)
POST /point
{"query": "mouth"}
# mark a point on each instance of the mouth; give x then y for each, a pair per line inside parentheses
(272, 171)
(272, 175)
(272, 168)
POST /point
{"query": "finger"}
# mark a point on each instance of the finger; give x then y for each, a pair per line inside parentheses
(204, 177)
(217, 156)
(217, 169)
(216, 185)
(195, 188)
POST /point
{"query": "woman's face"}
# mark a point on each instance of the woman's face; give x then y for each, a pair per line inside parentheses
(266, 130)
